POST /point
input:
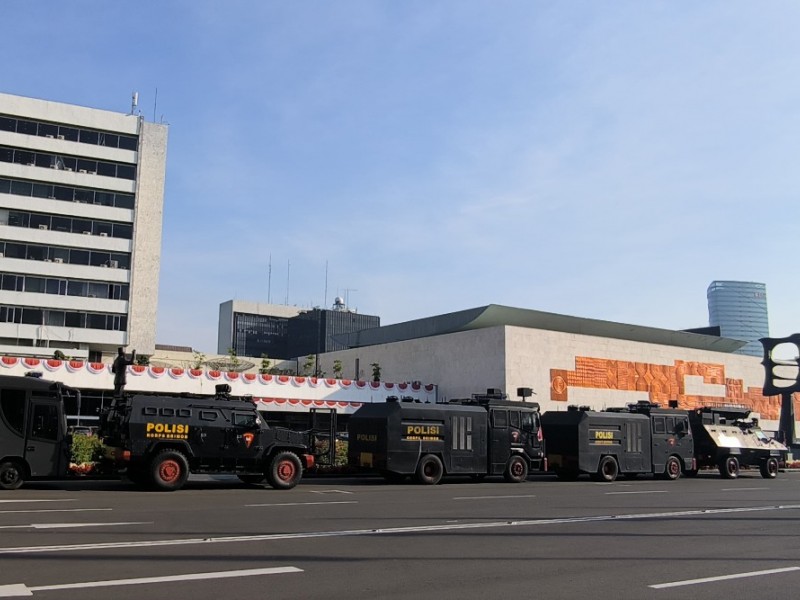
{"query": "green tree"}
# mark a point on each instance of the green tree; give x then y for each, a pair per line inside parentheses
(376, 371)
(235, 362)
(308, 365)
(198, 358)
(337, 369)
(265, 363)
(142, 360)
(59, 355)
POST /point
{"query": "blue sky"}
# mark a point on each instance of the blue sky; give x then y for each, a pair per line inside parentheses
(598, 159)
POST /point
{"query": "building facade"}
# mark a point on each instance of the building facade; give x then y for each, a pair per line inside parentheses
(566, 360)
(254, 329)
(739, 309)
(317, 330)
(285, 332)
(81, 204)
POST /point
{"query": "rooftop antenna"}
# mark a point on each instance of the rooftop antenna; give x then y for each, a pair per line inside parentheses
(155, 103)
(325, 300)
(347, 296)
(288, 268)
(134, 102)
(269, 280)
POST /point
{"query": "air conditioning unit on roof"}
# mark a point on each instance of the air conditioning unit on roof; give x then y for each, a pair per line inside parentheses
(58, 260)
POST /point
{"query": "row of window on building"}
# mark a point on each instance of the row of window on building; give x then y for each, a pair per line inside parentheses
(67, 163)
(65, 132)
(17, 218)
(72, 256)
(14, 282)
(21, 187)
(27, 315)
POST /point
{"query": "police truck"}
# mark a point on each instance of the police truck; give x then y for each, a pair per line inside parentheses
(480, 436)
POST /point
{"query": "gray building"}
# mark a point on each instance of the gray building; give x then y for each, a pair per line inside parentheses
(739, 309)
(81, 203)
(284, 332)
(254, 328)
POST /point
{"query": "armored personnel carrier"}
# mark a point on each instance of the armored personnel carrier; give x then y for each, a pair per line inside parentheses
(726, 438)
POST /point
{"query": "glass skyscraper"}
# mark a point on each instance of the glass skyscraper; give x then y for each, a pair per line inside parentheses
(739, 309)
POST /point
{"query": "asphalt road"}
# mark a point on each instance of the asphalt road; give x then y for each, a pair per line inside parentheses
(335, 538)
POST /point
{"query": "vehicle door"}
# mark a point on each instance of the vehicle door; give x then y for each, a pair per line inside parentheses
(499, 440)
(244, 442)
(46, 450)
(532, 434)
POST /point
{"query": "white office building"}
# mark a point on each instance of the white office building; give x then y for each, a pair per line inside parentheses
(81, 202)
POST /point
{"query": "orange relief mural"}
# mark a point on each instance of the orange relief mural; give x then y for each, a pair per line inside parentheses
(662, 383)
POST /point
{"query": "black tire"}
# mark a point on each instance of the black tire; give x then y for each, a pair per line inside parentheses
(567, 474)
(769, 468)
(516, 469)
(729, 467)
(607, 470)
(168, 471)
(285, 471)
(251, 479)
(11, 475)
(672, 469)
(429, 470)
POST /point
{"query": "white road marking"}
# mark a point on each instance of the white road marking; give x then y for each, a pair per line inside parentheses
(52, 510)
(493, 497)
(21, 500)
(387, 531)
(743, 489)
(306, 503)
(639, 492)
(71, 525)
(661, 586)
(20, 589)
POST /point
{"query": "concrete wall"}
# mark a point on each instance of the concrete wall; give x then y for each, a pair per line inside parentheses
(566, 369)
(465, 362)
(146, 259)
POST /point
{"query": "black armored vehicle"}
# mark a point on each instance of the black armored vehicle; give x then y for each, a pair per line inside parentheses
(726, 439)
(641, 438)
(34, 443)
(158, 440)
(484, 435)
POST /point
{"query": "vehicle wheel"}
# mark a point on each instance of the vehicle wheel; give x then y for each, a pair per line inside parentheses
(769, 468)
(729, 467)
(392, 477)
(516, 470)
(672, 470)
(567, 474)
(607, 470)
(285, 471)
(11, 476)
(251, 479)
(169, 470)
(429, 470)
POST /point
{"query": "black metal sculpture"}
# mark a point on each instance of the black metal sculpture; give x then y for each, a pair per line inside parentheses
(783, 381)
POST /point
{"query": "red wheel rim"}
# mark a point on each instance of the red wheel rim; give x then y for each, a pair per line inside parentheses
(517, 468)
(674, 467)
(286, 470)
(169, 471)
